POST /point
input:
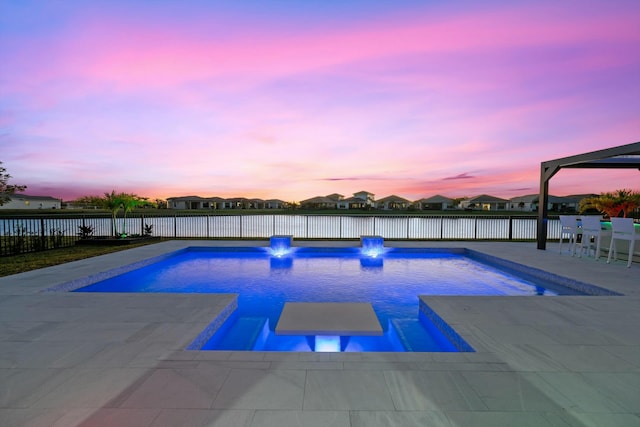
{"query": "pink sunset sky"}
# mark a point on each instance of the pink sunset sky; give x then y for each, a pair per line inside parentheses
(293, 99)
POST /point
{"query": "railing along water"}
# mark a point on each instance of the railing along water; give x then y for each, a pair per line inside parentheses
(20, 234)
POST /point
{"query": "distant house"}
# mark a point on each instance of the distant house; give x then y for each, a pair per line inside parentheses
(189, 202)
(352, 203)
(434, 203)
(335, 196)
(275, 204)
(369, 198)
(360, 200)
(24, 201)
(393, 202)
(485, 202)
(528, 203)
(219, 203)
(566, 204)
(236, 203)
(318, 202)
(250, 203)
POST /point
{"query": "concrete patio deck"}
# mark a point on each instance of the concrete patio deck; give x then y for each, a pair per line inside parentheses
(80, 359)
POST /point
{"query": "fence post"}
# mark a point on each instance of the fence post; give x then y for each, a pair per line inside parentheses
(407, 228)
(510, 227)
(142, 225)
(175, 226)
(43, 245)
(475, 228)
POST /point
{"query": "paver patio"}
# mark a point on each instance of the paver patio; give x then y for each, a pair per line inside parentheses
(90, 359)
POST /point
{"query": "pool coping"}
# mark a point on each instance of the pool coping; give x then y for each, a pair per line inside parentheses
(493, 261)
(455, 338)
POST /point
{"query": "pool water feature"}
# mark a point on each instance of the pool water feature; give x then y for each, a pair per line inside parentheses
(372, 246)
(391, 281)
(280, 246)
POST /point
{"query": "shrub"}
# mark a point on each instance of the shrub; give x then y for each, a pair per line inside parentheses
(86, 231)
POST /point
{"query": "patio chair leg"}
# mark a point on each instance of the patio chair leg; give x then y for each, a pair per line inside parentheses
(581, 248)
(610, 249)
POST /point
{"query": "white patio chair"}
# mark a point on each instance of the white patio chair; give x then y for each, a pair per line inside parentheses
(591, 228)
(570, 229)
(623, 229)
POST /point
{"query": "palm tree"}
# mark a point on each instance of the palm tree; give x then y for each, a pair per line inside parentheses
(128, 202)
(113, 203)
(630, 202)
(612, 204)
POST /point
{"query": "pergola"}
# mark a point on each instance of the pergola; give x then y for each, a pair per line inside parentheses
(622, 157)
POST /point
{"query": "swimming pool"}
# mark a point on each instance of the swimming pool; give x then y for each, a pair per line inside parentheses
(390, 281)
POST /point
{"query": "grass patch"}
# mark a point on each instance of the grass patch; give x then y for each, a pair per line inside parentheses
(32, 261)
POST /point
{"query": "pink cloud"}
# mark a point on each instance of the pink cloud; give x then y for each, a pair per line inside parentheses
(107, 48)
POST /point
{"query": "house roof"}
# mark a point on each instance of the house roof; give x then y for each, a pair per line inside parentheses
(393, 198)
(533, 198)
(335, 196)
(486, 199)
(579, 197)
(436, 199)
(352, 200)
(182, 198)
(319, 199)
(564, 199)
(529, 198)
(28, 197)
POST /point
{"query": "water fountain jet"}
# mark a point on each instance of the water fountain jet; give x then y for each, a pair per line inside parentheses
(372, 246)
(280, 245)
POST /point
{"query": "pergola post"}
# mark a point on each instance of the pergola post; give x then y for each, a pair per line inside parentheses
(547, 170)
(543, 203)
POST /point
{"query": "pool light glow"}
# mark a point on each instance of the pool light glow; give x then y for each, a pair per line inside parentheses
(327, 344)
(280, 246)
(372, 246)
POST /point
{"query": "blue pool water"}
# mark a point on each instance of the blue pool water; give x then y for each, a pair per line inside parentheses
(391, 281)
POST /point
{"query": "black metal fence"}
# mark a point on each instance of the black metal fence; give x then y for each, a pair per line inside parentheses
(36, 233)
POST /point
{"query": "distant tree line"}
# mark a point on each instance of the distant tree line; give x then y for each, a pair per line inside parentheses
(613, 204)
(113, 202)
